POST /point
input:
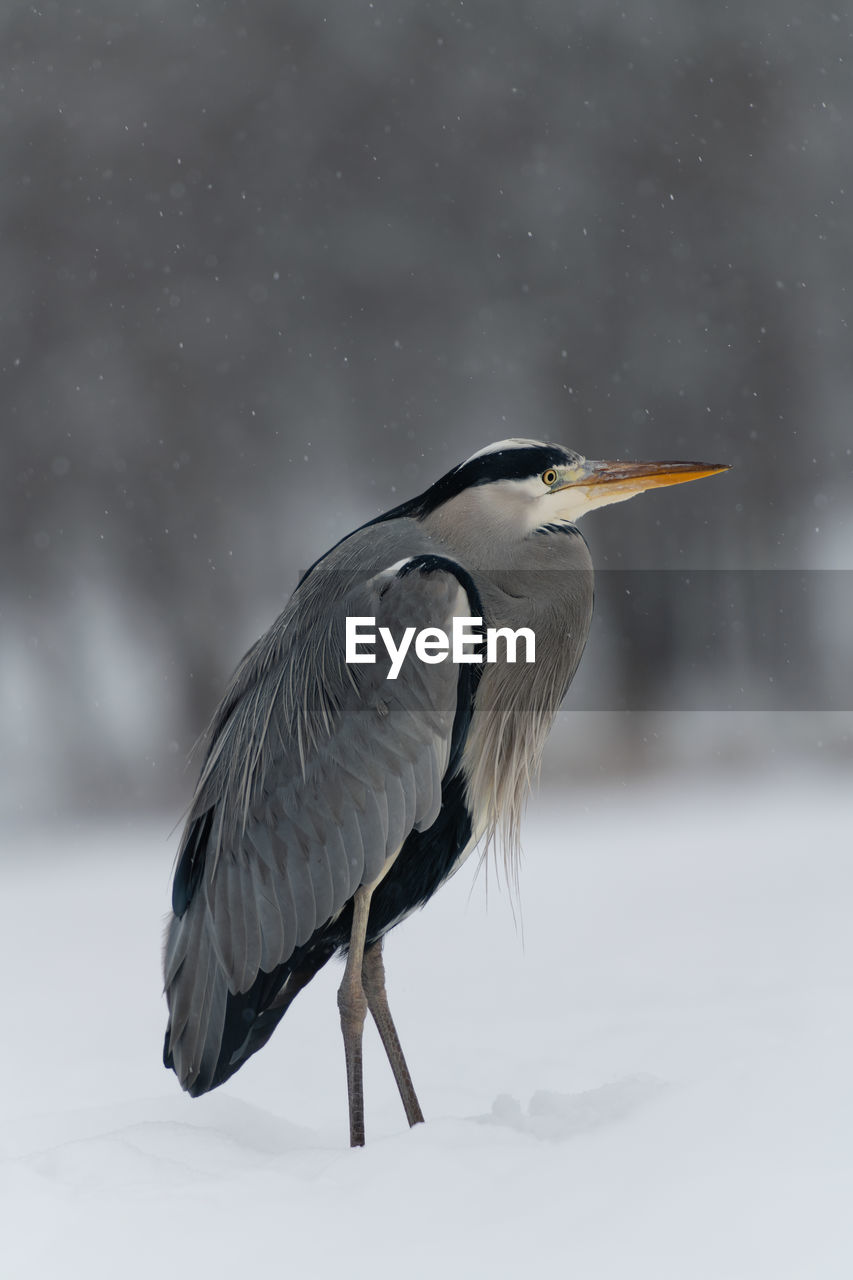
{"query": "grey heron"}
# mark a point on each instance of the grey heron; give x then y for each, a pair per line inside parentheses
(336, 796)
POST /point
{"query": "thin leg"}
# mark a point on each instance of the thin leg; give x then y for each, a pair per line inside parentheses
(352, 1004)
(373, 981)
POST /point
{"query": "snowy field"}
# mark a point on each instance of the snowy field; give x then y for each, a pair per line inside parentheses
(655, 1081)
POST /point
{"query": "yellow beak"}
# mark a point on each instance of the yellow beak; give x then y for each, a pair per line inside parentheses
(628, 478)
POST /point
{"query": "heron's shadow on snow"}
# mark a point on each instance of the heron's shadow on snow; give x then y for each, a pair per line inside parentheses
(556, 1117)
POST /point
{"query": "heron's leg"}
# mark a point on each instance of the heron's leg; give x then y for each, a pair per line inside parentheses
(373, 980)
(352, 1004)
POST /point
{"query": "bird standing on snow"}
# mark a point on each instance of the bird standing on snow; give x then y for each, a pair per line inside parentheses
(339, 793)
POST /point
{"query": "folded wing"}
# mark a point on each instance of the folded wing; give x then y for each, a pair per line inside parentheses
(317, 771)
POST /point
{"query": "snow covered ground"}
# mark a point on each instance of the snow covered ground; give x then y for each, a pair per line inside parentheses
(655, 1081)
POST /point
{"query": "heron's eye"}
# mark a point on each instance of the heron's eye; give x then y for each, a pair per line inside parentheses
(549, 477)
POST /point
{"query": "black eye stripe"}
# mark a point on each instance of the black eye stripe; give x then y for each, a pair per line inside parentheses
(508, 464)
(503, 464)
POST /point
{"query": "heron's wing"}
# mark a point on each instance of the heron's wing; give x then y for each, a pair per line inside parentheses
(315, 778)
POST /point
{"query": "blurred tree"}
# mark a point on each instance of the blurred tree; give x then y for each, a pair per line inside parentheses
(267, 268)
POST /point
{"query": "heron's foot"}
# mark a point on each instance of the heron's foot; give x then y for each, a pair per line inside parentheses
(373, 978)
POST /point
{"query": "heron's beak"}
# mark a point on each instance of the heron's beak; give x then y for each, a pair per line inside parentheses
(597, 484)
(628, 478)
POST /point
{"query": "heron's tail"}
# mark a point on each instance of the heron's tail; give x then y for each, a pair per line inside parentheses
(212, 1030)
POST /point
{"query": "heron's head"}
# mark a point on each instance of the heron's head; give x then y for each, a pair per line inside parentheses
(518, 486)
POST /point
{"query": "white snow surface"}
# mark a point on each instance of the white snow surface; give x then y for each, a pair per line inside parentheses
(653, 1081)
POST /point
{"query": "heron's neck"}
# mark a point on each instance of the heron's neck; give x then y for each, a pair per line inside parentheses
(525, 566)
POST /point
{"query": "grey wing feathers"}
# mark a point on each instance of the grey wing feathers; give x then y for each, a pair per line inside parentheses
(323, 810)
